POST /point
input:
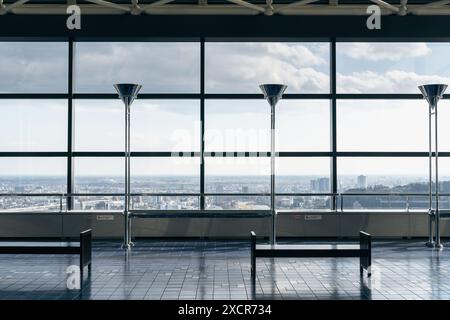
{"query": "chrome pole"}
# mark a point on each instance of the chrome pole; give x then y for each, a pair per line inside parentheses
(127, 92)
(273, 93)
(126, 237)
(272, 173)
(430, 242)
(129, 177)
(433, 93)
(437, 217)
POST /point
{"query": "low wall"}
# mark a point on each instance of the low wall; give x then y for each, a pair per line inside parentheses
(110, 225)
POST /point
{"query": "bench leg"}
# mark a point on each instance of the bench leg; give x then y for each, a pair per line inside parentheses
(253, 267)
(253, 255)
(361, 271)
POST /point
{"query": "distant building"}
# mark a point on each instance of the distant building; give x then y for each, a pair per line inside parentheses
(19, 189)
(362, 182)
(321, 185)
(245, 189)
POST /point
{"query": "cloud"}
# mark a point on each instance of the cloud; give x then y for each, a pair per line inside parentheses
(242, 67)
(159, 67)
(384, 51)
(33, 67)
(393, 81)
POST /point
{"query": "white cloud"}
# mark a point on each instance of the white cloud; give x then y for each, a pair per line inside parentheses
(394, 81)
(33, 67)
(384, 51)
(242, 67)
(159, 67)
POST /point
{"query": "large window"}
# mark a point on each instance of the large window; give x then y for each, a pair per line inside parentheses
(201, 141)
(33, 131)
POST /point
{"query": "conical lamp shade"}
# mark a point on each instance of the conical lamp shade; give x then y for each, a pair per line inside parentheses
(127, 91)
(433, 92)
(273, 92)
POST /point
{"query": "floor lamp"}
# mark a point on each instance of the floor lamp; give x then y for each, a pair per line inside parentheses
(272, 93)
(433, 93)
(127, 92)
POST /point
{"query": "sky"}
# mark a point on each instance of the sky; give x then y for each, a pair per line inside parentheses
(173, 125)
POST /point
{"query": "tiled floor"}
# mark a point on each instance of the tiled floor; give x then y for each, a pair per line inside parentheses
(221, 270)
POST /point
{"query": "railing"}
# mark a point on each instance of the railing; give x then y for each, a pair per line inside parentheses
(338, 199)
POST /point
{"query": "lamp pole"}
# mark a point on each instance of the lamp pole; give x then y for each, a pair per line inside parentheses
(272, 93)
(433, 93)
(127, 93)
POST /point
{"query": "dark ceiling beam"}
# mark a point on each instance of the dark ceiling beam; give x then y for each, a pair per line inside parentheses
(129, 27)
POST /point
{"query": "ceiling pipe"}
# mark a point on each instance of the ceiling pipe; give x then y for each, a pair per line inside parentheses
(6, 8)
(386, 5)
(294, 5)
(110, 5)
(403, 10)
(171, 9)
(248, 5)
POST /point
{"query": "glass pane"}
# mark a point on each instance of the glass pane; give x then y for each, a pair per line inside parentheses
(237, 174)
(161, 67)
(242, 67)
(237, 125)
(165, 175)
(382, 125)
(298, 203)
(444, 182)
(381, 176)
(303, 125)
(302, 175)
(33, 125)
(32, 176)
(165, 125)
(99, 125)
(33, 67)
(99, 175)
(390, 67)
(443, 121)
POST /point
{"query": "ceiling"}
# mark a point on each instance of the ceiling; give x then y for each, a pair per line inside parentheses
(226, 7)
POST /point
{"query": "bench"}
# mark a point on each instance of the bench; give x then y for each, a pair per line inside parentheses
(363, 251)
(83, 248)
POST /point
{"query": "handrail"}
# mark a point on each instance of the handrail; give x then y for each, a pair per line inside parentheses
(215, 194)
(336, 196)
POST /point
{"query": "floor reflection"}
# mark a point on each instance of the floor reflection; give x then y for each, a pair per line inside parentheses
(221, 270)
